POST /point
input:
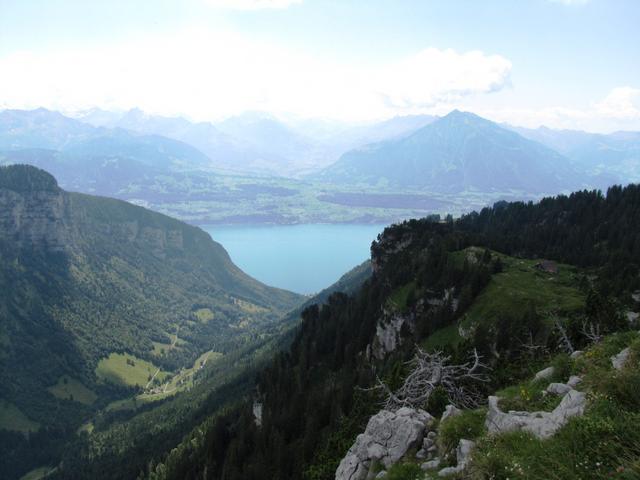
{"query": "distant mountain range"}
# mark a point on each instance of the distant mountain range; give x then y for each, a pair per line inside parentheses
(92, 159)
(243, 168)
(260, 143)
(616, 154)
(460, 152)
(227, 153)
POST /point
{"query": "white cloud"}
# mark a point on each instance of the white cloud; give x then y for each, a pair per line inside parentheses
(435, 76)
(618, 110)
(251, 4)
(208, 75)
(621, 103)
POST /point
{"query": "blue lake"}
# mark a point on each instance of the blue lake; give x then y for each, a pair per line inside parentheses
(300, 258)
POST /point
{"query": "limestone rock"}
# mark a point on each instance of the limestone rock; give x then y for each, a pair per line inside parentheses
(576, 354)
(544, 374)
(463, 455)
(431, 464)
(558, 389)
(450, 411)
(428, 442)
(574, 380)
(387, 337)
(381, 474)
(387, 438)
(540, 424)
(620, 359)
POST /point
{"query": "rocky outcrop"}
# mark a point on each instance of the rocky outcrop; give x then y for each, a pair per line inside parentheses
(559, 389)
(51, 219)
(387, 438)
(35, 219)
(257, 413)
(544, 374)
(387, 337)
(463, 455)
(540, 424)
(620, 359)
(574, 381)
(429, 448)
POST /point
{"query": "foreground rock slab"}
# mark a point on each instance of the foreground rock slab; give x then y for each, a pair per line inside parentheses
(540, 424)
(387, 438)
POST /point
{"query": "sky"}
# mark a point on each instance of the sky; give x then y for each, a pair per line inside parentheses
(560, 63)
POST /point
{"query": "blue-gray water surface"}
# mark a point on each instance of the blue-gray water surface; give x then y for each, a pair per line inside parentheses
(300, 258)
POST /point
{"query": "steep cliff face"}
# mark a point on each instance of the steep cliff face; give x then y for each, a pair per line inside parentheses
(35, 215)
(38, 214)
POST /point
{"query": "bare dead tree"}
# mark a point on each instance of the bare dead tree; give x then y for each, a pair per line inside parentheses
(531, 347)
(433, 370)
(592, 332)
(565, 341)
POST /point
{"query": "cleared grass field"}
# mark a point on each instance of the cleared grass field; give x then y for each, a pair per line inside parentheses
(204, 315)
(521, 284)
(71, 389)
(122, 368)
(11, 418)
(509, 292)
(248, 306)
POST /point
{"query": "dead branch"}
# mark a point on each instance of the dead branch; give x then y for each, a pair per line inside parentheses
(592, 332)
(433, 370)
(565, 341)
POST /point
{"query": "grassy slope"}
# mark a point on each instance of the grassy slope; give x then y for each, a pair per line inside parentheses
(221, 383)
(70, 388)
(519, 285)
(128, 370)
(129, 280)
(604, 443)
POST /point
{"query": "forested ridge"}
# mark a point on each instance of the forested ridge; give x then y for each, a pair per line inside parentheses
(86, 278)
(316, 395)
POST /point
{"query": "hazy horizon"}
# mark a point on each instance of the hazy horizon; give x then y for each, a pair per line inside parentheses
(207, 60)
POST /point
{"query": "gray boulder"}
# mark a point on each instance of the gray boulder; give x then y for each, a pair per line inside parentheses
(576, 354)
(558, 389)
(574, 380)
(463, 455)
(540, 424)
(387, 438)
(620, 359)
(544, 374)
(431, 464)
